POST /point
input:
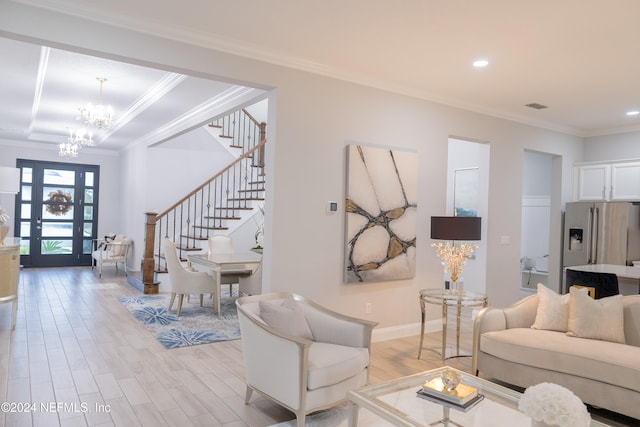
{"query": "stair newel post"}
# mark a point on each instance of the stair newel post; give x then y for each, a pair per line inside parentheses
(263, 137)
(147, 267)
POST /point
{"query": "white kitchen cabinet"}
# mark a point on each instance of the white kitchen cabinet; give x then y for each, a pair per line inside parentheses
(592, 182)
(10, 275)
(614, 181)
(625, 181)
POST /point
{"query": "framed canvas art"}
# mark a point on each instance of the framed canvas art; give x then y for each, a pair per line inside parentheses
(381, 212)
(465, 191)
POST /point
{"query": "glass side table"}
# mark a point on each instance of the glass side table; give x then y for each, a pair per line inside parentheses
(449, 298)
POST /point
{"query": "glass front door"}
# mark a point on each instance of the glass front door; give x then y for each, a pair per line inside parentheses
(58, 206)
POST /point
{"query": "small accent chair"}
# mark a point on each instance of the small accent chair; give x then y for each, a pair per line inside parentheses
(599, 285)
(184, 280)
(111, 252)
(304, 372)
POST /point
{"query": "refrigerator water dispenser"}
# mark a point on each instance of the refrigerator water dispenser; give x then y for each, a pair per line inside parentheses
(575, 239)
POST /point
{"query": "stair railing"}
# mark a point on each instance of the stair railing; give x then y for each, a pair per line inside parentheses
(241, 129)
(207, 208)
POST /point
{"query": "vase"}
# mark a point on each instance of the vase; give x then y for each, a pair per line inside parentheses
(4, 230)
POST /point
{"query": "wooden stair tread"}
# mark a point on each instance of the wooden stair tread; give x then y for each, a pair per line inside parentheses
(251, 190)
(236, 146)
(234, 208)
(246, 199)
(225, 136)
(223, 217)
(202, 227)
(188, 249)
(211, 125)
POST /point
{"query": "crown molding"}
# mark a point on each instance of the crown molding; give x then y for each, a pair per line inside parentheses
(612, 131)
(42, 71)
(259, 53)
(156, 92)
(198, 116)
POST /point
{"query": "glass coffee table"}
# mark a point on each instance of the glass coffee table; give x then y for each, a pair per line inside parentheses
(396, 403)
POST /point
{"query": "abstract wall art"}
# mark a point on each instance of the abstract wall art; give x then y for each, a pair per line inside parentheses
(381, 214)
(465, 191)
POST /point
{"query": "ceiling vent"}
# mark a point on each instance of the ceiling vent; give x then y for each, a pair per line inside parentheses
(536, 106)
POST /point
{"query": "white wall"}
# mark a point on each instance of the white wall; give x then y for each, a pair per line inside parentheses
(612, 147)
(537, 174)
(312, 118)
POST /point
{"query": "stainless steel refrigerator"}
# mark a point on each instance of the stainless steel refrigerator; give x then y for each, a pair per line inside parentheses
(601, 233)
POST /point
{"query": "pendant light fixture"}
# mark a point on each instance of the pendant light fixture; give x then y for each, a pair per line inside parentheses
(98, 116)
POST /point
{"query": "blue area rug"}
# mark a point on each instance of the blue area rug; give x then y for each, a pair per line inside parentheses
(196, 325)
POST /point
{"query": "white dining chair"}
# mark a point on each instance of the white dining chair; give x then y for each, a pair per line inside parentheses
(185, 281)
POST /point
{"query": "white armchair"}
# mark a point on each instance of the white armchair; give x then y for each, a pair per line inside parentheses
(303, 375)
(183, 280)
(108, 251)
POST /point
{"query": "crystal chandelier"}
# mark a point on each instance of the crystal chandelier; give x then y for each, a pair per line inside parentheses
(79, 138)
(98, 116)
(68, 149)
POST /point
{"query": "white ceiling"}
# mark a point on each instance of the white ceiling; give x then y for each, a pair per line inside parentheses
(46, 87)
(578, 57)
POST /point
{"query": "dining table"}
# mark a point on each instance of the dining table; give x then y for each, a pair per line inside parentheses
(217, 264)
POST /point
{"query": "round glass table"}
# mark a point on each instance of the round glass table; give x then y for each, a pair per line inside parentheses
(449, 298)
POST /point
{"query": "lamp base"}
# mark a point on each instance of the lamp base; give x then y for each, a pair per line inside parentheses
(456, 285)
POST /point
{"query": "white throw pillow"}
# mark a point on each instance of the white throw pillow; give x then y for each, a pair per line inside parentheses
(287, 317)
(600, 319)
(118, 249)
(553, 310)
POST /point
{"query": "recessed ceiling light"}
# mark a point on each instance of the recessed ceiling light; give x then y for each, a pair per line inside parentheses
(479, 63)
(633, 113)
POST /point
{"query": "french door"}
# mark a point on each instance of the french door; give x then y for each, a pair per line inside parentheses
(56, 213)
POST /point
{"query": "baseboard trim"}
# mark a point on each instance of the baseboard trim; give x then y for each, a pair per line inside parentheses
(402, 331)
(135, 280)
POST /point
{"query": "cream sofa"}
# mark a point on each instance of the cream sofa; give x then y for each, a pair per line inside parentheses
(602, 373)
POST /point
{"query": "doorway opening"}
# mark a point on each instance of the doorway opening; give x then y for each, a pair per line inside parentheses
(56, 213)
(468, 195)
(537, 201)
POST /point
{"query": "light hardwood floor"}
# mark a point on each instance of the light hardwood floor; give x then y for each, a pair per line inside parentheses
(79, 353)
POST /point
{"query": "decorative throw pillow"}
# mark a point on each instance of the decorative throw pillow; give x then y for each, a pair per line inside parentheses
(600, 319)
(287, 317)
(118, 249)
(553, 310)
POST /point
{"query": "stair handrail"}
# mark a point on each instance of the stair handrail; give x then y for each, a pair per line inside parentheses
(253, 119)
(210, 180)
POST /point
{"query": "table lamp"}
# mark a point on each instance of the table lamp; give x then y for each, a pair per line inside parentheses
(454, 229)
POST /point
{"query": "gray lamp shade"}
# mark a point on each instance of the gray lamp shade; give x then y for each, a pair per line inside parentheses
(455, 228)
(9, 180)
